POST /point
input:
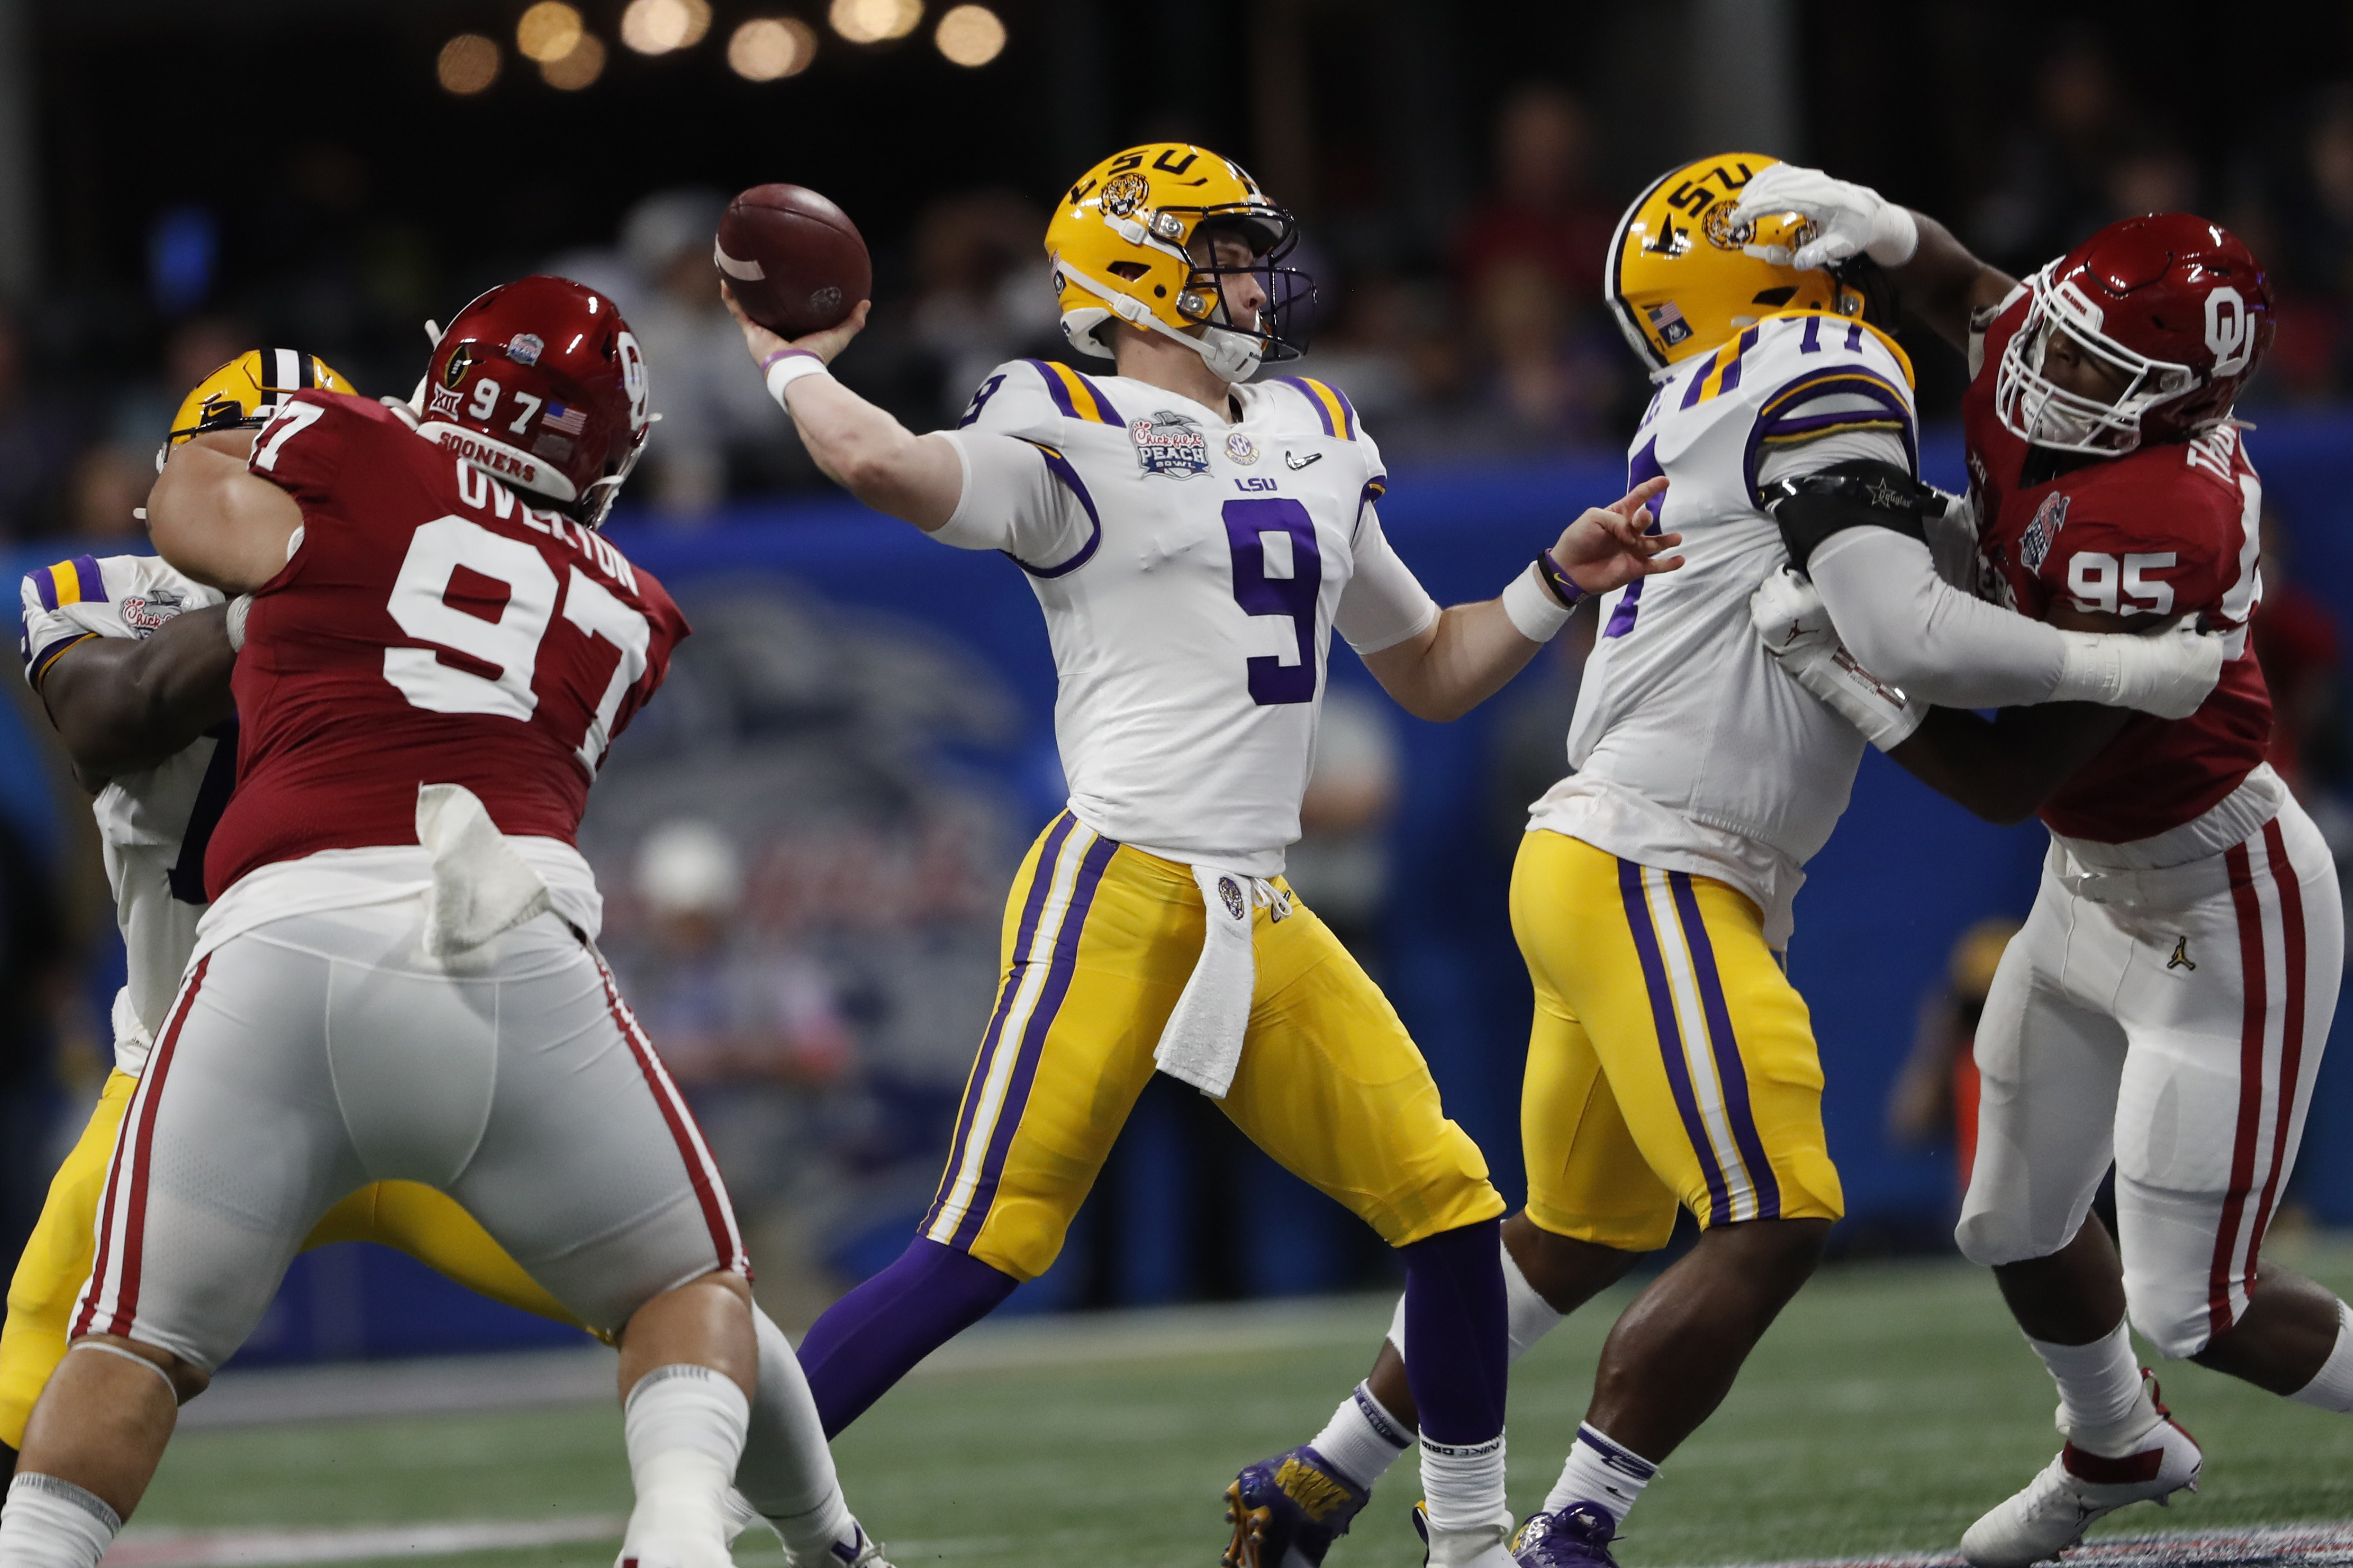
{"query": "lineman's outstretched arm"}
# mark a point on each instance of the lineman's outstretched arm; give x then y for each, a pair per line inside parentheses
(917, 479)
(1466, 654)
(1935, 278)
(214, 518)
(123, 706)
(2004, 768)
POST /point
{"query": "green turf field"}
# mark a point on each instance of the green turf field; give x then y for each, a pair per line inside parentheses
(1892, 1404)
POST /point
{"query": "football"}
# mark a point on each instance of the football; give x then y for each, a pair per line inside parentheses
(795, 262)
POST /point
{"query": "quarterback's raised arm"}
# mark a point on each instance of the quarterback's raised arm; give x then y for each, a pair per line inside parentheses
(1452, 660)
(214, 520)
(918, 479)
(1934, 276)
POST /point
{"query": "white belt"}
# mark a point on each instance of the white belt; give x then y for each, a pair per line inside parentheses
(1202, 1042)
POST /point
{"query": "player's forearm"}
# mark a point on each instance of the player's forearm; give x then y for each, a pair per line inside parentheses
(1461, 660)
(123, 707)
(2004, 769)
(1944, 282)
(862, 449)
(1911, 628)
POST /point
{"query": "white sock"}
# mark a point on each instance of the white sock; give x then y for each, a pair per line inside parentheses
(1530, 1316)
(1361, 1440)
(786, 1471)
(684, 1427)
(2099, 1384)
(50, 1523)
(2331, 1387)
(1464, 1486)
(1601, 1472)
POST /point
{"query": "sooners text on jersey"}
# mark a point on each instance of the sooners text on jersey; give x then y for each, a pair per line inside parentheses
(2168, 529)
(431, 628)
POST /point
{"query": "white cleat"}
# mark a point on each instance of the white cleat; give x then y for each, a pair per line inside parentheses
(2079, 1487)
(856, 1550)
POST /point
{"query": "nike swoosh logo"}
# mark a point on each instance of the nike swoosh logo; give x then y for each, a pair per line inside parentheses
(1299, 462)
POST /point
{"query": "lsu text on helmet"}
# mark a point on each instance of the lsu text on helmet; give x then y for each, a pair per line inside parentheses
(1683, 276)
(2175, 306)
(241, 395)
(1119, 248)
(541, 384)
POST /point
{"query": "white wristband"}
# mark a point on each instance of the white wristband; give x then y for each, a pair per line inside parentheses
(238, 608)
(1894, 235)
(789, 366)
(1536, 612)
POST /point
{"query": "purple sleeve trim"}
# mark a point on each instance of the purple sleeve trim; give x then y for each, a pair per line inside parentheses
(1059, 467)
(45, 586)
(1849, 381)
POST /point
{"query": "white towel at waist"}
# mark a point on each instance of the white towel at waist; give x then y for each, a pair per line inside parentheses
(1202, 1042)
(480, 885)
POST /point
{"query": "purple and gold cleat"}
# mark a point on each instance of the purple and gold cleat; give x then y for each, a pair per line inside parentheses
(1286, 1511)
(1578, 1536)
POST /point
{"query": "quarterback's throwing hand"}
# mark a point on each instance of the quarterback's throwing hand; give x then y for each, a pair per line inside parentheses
(1608, 547)
(824, 344)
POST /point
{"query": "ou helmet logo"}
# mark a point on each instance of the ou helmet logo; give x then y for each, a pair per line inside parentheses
(633, 373)
(2230, 331)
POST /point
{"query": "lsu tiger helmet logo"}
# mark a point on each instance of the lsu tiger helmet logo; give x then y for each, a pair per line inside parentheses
(1119, 248)
(244, 392)
(1685, 275)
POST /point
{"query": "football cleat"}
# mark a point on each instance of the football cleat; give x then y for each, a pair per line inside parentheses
(1489, 1546)
(1578, 1536)
(2079, 1487)
(1287, 1510)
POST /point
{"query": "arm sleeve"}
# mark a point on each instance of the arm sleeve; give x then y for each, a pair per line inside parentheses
(1909, 627)
(1384, 603)
(1901, 620)
(1022, 498)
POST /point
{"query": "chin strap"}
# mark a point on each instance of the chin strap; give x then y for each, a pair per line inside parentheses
(1233, 358)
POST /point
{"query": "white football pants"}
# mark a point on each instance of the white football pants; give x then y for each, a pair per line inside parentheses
(2171, 1021)
(315, 1053)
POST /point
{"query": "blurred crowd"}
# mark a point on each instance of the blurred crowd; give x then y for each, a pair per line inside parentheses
(1488, 338)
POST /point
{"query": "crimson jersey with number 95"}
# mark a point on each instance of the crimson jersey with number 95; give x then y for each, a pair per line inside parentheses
(431, 627)
(2171, 528)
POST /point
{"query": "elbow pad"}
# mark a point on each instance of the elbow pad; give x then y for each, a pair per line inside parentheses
(1863, 492)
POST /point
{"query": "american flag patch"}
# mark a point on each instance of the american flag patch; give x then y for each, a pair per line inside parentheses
(571, 420)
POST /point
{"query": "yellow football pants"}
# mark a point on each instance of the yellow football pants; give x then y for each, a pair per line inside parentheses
(1100, 939)
(415, 1219)
(1671, 1061)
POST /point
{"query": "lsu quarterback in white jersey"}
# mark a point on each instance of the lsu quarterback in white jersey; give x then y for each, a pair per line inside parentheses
(1671, 1063)
(131, 660)
(1193, 538)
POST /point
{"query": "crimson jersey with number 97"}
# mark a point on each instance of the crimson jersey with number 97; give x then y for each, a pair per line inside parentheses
(429, 628)
(2171, 528)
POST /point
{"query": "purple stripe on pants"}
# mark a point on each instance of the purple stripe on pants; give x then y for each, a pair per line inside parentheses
(1033, 1038)
(1033, 906)
(1730, 1070)
(1671, 1035)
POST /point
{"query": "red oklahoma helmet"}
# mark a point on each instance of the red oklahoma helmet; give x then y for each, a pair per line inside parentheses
(541, 383)
(2176, 304)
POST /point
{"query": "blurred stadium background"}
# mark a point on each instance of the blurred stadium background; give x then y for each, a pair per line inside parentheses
(803, 842)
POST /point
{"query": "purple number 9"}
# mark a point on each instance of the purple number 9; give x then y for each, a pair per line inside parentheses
(1262, 592)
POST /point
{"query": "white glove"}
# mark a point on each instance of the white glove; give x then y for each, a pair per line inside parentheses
(1788, 614)
(1847, 218)
(2169, 674)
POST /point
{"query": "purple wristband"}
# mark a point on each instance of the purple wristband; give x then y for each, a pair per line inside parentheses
(770, 362)
(1561, 585)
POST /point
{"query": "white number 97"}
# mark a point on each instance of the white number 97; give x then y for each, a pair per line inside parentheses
(486, 398)
(509, 644)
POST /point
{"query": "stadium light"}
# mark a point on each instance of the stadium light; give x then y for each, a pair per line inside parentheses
(577, 68)
(468, 65)
(658, 26)
(875, 21)
(970, 35)
(548, 31)
(769, 49)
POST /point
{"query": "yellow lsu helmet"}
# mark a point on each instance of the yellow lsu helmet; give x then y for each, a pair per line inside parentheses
(242, 394)
(1117, 245)
(1685, 275)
